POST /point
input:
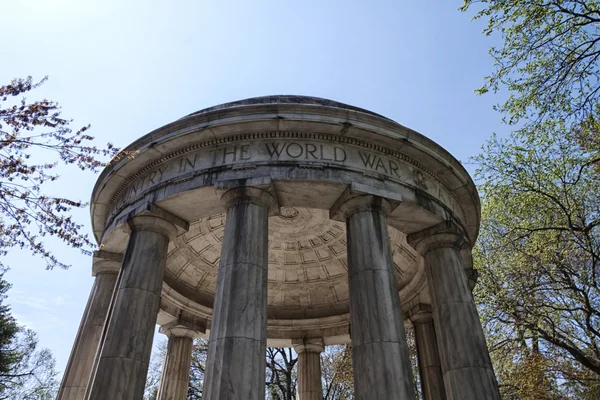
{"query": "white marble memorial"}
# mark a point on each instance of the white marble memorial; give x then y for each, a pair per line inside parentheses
(249, 219)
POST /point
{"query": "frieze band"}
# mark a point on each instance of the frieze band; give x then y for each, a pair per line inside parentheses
(296, 151)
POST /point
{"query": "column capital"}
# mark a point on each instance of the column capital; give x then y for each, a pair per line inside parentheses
(365, 202)
(308, 346)
(249, 194)
(153, 223)
(420, 314)
(100, 267)
(259, 190)
(182, 328)
(105, 262)
(357, 198)
(445, 234)
(152, 218)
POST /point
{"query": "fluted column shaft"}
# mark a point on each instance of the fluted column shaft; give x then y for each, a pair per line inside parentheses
(176, 371)
(309, 370)
(236, 362)
(465, 360)
(122, 364)
(432, 382)
(380, 358)
(81, 361)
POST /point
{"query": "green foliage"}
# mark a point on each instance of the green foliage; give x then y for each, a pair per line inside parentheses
(414, 362)
(8, 330)
(337, 373)
(528, 377)
(539, 260)
(548, 60)
(539, 248)
(26, 373)
(196, 370)
(33, 375)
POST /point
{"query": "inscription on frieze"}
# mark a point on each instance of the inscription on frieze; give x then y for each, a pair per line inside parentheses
(271, 152)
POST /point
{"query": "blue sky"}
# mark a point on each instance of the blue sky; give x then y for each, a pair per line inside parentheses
(128, 67)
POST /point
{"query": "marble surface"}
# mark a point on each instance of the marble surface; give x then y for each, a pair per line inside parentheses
(379, 349)
(465, 360)
(79, 367)
(277, 261)
(122, 365)
(235, 367)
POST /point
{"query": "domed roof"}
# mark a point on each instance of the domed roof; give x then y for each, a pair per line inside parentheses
(331, 150)
(284, 99)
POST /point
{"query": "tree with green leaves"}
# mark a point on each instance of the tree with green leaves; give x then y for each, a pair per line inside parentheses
(539, 247)
(26, 373)
(548, 62)
(8, 329)
(338, 376)
(33, 375)
(539, 254)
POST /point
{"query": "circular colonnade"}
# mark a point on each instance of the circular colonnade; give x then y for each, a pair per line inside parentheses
(283, 221)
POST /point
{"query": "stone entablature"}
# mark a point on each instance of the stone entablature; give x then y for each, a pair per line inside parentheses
(321, 143)
(310, 157)
(298, 149)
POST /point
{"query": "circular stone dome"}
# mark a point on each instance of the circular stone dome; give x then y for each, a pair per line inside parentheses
(283, 99)
(309, 154)
(308, 271)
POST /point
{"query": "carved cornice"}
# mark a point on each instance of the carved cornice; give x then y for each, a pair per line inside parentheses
(105, 262)
(363, 202)
(308, 346)
(444, 234)
(334, 139)
(248, 194)
(153, 223)
(420, 314)
(182, 328)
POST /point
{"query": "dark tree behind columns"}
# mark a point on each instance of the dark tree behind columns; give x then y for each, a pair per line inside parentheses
(197, 369)
(281, 373)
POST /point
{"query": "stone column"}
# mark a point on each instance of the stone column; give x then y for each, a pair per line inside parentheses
(309, 369)
(77, 374)
(122, 365)
(465, 361)
(235, 367)
(176, 371)
(380, 358)
(432, 382)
